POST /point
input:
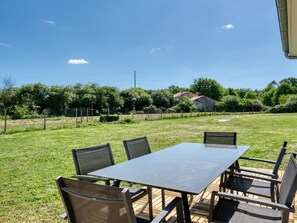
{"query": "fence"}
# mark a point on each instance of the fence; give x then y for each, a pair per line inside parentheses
(81, 117)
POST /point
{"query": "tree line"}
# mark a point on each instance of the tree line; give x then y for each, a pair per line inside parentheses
(32, 99)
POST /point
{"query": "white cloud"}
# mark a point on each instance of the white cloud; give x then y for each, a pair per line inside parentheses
(155, 50)
(228, 26)
(5, 45)
(49, 22)
(77, 61)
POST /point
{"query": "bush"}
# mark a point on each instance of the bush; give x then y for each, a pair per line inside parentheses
(253, 105)
(19, 112)
(170, 110)
(219, 106)
(152, 109)
(128, 121)
(232, 103)
(187, 105)
(292, 98)
(109, 118)
(291, 106)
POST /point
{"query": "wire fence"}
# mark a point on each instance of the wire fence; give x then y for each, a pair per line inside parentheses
(82, 117)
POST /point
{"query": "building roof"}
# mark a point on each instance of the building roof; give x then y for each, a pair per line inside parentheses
(185, 93)
(191, 95)
(287, 17)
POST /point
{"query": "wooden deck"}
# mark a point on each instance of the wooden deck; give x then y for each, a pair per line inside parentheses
(199, 204)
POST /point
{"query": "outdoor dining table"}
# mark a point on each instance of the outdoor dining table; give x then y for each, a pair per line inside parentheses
(187, 168)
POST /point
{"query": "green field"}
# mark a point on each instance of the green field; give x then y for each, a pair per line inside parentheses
(30, 161)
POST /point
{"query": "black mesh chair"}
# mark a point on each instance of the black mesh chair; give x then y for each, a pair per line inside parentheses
(276, 163)
(97, 157)
(225, 138)
(93, 203)
(263, 184)
(235, 208)
(139, 147)
(94, 158)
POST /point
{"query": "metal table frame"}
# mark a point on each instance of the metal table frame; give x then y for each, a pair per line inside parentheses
(187, 168)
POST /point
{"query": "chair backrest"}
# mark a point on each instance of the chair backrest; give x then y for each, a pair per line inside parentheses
(225, 138)
(92, 158)
(136, 147)
(279, 159)
(87, 202)
(289, 182)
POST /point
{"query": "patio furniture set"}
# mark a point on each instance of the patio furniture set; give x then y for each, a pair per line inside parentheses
(186, 168)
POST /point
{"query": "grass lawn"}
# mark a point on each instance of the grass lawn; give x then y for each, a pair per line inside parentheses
(30, 161)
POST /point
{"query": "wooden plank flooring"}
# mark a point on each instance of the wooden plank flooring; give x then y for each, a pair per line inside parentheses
(199, 204)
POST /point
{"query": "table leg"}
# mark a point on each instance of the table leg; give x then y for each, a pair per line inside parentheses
(150, 201)
(186, 207)
(163, 198)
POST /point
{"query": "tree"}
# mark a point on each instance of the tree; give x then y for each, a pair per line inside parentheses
(283, 89)
(252, 105)
(187, 105)
(162, 98)
(7, 93)
(207, 87)
(231, 103)
(84, 95)
(290, 80)
(267, 93)
(58, 99)
(173, 89)
(109, 99)
(230, 91)
(135, 98)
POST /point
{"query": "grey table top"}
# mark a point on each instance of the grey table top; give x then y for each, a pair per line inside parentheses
(186, 167)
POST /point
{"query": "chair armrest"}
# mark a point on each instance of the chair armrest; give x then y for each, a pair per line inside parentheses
(176, 203)
(90, 178)
(258, 160)
(255, 177)
(252, 200)
(256, 171)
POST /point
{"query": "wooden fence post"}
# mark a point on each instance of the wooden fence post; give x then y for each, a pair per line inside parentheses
(5, 119)
(44, 119)
(87, 114)
(76, 120)
(81, 115)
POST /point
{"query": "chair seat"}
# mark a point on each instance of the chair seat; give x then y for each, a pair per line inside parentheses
(250, 186)
(234, 212)
(134, 191)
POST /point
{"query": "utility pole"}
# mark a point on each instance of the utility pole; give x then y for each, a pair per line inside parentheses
(134, 78)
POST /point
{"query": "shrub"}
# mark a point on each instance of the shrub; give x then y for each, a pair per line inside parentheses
(171, 110)
(187, 105)
(253, 105)
(219, 106)
(152, 109)
(292, 98)
(19, 112)
(290, 106)
(128, 121)
(109, 118)
(232, 103)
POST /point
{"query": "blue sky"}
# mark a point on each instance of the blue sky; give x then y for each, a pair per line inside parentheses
(167, 42)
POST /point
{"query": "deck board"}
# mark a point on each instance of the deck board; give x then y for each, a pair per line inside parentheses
(199, 204)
